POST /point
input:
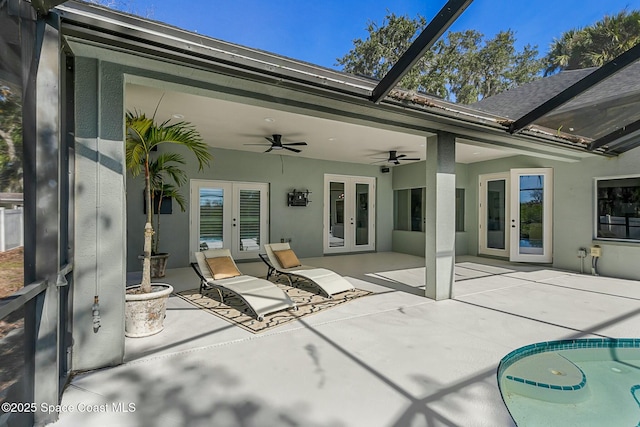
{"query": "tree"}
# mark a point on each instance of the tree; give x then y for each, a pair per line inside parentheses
(165, 179)
(143, 135)
(594, 45)
(127, 6)
(10, 141)
(463, 66)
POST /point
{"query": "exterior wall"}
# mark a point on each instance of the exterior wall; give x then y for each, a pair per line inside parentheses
(304, 225)
(573, 210)
(99, 261)
(413, 175)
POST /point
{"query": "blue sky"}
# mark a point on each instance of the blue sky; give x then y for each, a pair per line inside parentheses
(321, 31)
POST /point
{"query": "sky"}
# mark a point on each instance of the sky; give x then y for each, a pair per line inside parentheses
(319, 32)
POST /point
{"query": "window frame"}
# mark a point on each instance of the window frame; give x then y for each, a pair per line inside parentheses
(408, 218)
(596, 213)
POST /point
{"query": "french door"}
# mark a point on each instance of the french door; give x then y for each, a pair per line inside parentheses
(494, 214)
(349, 219)
(230, 215)
(516, 211)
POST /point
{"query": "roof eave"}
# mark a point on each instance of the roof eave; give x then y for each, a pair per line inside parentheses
(121, 30)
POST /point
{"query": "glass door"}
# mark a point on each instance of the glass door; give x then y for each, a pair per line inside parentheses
(531, 215)
(494, 210)
(249, 224)
(349, 213)
(231, 215)
(211, 216)
(336, 215)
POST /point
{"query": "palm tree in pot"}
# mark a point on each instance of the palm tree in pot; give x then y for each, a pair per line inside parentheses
(165, 178)
(143, 135)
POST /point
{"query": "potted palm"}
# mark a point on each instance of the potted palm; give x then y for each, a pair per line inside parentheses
(165, 178)
(145, 304)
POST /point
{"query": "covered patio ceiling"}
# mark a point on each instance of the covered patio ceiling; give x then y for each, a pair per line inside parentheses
(232, 125)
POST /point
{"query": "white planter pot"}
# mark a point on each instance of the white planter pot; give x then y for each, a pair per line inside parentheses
(144, 313)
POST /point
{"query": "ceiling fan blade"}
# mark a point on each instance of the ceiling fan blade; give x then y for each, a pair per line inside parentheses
(396, 162)
(292, 149)
(401, 156)
(270, 140)
(410, 158)
(295, 143)
(269, 149)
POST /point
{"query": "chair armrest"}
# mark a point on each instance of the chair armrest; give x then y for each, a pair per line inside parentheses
(270, 267)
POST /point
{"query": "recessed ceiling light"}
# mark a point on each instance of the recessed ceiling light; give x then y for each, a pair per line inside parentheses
(475, 153)
(178, 116)
(423, 145)
(333, 138)
(269, 119)
(571, 129)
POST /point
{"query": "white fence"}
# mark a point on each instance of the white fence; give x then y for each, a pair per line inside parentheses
(11, 229)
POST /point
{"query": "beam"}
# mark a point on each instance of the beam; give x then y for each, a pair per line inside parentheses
(623, 147)
(607, 70)
(44, 6)
(447, 15)
(615, 135)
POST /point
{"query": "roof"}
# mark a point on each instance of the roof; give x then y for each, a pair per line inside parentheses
(160, 40)
(11, 198)
(599, 112)
(518, 101)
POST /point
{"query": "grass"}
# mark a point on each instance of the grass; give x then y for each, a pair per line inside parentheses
(11, 345)
(11, 271)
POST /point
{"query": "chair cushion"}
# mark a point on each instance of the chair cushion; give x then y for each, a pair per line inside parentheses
(287, 258)
(222, 267)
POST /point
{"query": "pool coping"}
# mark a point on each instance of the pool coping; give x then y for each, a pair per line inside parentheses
(558, 345)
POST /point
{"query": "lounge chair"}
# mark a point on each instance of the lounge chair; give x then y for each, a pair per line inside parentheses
(282, 260)
(217, 270)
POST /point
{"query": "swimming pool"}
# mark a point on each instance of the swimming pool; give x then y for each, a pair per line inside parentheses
(582, 382)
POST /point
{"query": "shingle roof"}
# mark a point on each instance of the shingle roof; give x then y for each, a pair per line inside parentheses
(600, 111)
(516, 102)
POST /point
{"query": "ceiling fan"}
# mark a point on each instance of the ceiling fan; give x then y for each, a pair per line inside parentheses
(277, 144)
(395, 158)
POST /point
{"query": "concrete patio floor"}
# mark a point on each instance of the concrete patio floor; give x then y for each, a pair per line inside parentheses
(393, 358)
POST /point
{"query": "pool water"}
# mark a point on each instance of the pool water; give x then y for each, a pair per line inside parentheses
(588, 382)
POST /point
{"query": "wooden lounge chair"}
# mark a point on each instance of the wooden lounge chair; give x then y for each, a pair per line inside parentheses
(282, 260)
(217, 270)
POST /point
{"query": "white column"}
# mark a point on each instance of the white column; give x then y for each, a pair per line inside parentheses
(440, 216)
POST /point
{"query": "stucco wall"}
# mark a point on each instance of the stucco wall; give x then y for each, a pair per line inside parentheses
(573, 209)
(99, 262)
(304, 225)
(413, 175)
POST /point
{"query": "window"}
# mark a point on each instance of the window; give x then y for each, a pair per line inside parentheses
(459, 209)
(618, 205)
(409, 209)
